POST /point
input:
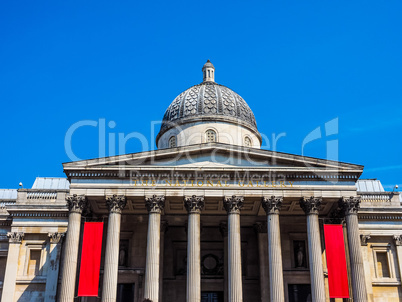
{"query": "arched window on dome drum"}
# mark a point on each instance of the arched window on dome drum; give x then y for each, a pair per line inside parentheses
(247, 142)
(172, 142)
(211, 136)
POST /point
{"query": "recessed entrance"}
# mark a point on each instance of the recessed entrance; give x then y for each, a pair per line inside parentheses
(212, 297)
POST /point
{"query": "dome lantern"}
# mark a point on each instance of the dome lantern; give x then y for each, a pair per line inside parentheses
(208, 71)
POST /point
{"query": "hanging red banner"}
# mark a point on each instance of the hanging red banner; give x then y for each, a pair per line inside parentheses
(336, 261)
(90, 259)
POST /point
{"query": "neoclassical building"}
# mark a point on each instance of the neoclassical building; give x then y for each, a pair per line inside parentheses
(207, 217)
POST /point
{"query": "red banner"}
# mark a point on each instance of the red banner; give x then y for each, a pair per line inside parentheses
(336, 261)
(90, 259)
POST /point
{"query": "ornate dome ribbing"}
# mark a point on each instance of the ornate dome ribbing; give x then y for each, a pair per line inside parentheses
(208, 101)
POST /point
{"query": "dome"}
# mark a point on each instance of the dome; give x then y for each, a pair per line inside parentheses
(208, 102)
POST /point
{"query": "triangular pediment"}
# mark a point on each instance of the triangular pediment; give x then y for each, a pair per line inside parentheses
(211, 156)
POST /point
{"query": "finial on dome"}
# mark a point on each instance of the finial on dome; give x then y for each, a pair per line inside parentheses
(208, 71)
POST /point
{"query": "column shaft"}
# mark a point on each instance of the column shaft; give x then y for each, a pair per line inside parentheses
(315, 259)
(356, 260)
(194, 205)
(275, 259)
(111, 267)
(233, 206)
(311, 207)
(351, 206)
(75, 204)
(272, 206)
(193, 259)
(151, 290)
(53, 266)
(10, 276)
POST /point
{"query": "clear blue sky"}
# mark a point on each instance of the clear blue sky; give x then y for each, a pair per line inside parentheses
(298, 64)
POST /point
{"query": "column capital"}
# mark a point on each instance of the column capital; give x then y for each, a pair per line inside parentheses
(233, 204)
(398, 240)
(76, 203)
(116, 203)
(194, 204)
(223, 228)
(260, 227)
(272, 205)
(364, 238)
(310, 205)
(15, 237)
(155, 204)
(350, 205)
(56, 237)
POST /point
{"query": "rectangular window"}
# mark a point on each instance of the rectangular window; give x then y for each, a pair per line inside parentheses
(382, 265)
(34, 262)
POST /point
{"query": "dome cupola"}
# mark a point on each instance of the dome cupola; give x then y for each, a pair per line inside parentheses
(208, 108)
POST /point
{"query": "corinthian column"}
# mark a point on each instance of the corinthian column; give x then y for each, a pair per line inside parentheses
(75, 206)
(10, 276)
(233, 206)
(53, 267)
(351, 206)
(154, 206)
(311, 206)
(272, 205)
(109, 290)
(194, 206)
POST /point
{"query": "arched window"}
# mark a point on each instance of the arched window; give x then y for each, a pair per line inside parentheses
(247, 142)
(210, 136)
(172, 142)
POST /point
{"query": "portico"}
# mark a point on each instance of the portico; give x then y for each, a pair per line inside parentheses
(197, 259)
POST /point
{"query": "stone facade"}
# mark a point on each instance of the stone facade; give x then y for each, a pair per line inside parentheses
(209, 221)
